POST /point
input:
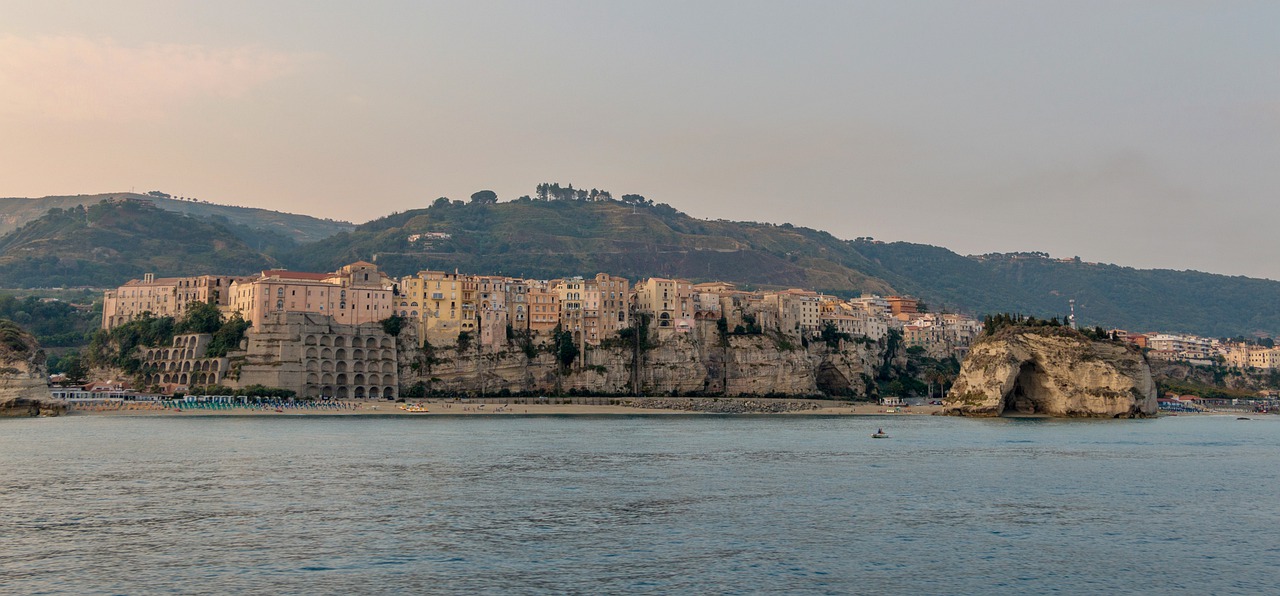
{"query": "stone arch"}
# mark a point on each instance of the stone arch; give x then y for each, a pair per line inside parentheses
(357, 354)
(216, 364)
(359, 379)
(309, 341)
(371, 343)
(166, 379)
(359, 392)
(186, 366)
(325, 341)
(182, 379)
(341, 366)
(340, 354)
(339, 342)
(373, 355)
(326, 366)
(313, 391)
(313, 365)
(374, 379)
(313, 378)
(1030, 392)
(327, 391)
(388, 367)
(166, 355)
(326, 353)
(387, 393)
(341, 393)
(313, 353)
(386, 343)
(191, 353)
(342, 379)
(327, 379)
(358, 366)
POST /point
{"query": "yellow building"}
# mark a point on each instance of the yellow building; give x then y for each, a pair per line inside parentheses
(441, 304)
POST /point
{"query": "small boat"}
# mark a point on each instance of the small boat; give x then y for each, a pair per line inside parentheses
(1243, 418)
(880, 434)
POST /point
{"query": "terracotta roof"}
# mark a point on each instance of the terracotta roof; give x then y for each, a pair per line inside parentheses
(286, 274)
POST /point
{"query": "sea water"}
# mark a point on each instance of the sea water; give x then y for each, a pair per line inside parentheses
(660, 504)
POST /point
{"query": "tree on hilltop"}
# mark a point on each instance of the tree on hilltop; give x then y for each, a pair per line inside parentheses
(484, 197)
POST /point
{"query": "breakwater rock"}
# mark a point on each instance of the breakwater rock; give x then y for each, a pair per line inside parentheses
(1052, 371)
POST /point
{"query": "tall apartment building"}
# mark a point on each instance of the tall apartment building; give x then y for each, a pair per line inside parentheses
(608, 307)
(163, 297)
(355, 294)
(444, 304)
(668, 301)
(544, 309)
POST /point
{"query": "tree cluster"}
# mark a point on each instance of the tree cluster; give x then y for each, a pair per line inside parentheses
(552, 191)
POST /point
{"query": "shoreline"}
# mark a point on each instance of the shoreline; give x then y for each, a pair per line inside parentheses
(438, 408)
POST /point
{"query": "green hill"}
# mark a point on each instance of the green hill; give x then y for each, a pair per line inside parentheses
(272, 225)
(566, 237)
(544, 239)
(109, 243)
(1106, 295)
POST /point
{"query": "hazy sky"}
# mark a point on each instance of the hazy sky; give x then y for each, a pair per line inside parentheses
(1140, 133)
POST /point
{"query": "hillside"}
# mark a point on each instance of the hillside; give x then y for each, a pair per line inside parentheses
(545, 239)
(111, 242)
(14, 212)
(565, 237)
(1106, 295)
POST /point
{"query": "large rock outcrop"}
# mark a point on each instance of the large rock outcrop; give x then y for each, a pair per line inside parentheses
(1052, 371)
(24, 384)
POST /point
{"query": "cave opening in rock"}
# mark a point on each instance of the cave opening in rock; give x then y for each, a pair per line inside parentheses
(1027, 396)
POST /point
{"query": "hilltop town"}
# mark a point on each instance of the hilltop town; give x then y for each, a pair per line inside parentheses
(339, 334)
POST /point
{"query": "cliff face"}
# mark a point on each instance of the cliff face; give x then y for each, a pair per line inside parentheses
(24, 386)
(1053, 372)
(681, 364)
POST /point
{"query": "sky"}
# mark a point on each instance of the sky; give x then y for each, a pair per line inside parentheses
(1145, 134)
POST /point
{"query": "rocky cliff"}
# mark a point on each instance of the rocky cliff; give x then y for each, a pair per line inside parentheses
(682, 364)
(24, 386)
(1055, 372)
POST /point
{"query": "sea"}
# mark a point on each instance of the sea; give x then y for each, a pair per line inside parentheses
(493, 504)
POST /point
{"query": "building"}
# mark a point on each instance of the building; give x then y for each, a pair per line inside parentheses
(544, 309)
(668, 301)
(163, 297)
(441, 305)
(903, 308)
(355, 294)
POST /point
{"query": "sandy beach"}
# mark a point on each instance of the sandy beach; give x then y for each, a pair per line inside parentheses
(460, 408)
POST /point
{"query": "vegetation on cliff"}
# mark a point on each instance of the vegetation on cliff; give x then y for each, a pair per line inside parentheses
(118, 348)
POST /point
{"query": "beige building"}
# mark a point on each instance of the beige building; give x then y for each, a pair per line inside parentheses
(163, 297)
(355, 294)
(608, 307)
(798, 311)
(544, 310)
(669, 301)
